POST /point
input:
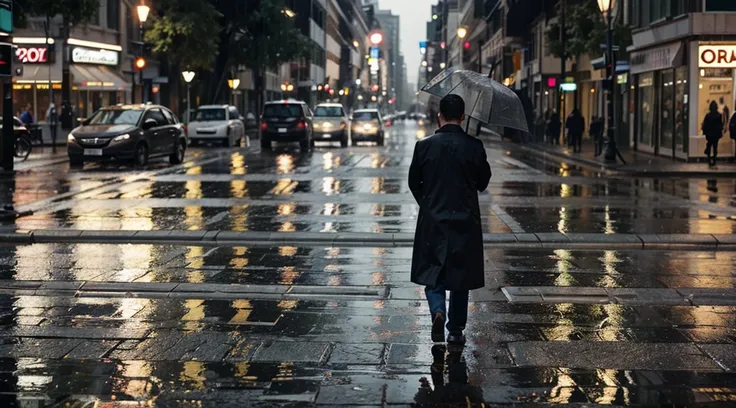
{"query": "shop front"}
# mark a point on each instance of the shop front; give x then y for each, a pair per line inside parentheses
(94, 66)
(661, 100)
(715, 75)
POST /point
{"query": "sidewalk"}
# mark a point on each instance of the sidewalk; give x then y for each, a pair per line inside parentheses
(637, 163)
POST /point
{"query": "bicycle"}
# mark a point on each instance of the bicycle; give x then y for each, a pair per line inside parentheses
(22, 147)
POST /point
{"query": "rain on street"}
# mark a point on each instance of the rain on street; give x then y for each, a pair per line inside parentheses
(337, 322)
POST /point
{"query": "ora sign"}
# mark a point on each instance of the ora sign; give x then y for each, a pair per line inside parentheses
(717, 56)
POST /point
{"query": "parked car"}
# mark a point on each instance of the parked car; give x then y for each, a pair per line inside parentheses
(135, 132)
(331, 123)
(286, 121)
(367, 126)
(217, 123)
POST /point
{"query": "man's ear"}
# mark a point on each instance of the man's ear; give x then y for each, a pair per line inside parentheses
(462, 118)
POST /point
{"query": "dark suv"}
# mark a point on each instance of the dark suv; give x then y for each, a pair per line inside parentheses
(286, 121)
(135, 132)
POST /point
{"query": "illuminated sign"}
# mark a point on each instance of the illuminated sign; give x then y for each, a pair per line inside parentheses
(82, 55)
(717, 56)
(375, 52)
(568, 87)
(32, 55)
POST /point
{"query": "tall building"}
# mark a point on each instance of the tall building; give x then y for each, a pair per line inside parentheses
(391, 26)
(312, 19)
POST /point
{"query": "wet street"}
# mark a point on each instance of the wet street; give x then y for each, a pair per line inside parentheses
(248, 278)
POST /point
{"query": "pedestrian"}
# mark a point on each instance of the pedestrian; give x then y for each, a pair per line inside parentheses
(575, 125)
(596, 133)
(27, 116)
(554, 125)
(447, 171)
(732, 128)
(713, 130)
(52, 118)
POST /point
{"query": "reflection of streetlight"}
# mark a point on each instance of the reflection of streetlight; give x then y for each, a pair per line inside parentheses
(188, 77)
(288, 12)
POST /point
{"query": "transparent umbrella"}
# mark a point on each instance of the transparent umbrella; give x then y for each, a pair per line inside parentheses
(486, 100)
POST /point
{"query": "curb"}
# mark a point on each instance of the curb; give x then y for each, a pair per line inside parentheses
(611, 170)
(542, 240)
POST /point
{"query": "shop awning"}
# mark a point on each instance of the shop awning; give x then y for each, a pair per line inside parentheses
(38, 74)
(94, 78)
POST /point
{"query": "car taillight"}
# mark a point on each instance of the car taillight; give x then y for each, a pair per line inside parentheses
(301, 125)
(264, 126)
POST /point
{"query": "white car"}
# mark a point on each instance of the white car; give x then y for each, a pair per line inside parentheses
(217, 123)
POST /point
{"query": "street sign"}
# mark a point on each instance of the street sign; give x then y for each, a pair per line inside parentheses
(375, 52)
(423, 47)
(6, 16)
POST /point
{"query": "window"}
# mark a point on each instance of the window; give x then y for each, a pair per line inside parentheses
(113, 14)
(116, 117)
(282, 111)
(328, 111)
(318, 15)
(210, 115)
(169, 116)
(157, 116)
(720, 5)
(233, 112)
(645, 102)
(366, 115)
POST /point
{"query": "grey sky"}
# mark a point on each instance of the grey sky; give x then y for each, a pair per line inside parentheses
(414, 16)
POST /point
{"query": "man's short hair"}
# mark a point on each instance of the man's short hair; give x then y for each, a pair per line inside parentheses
(452, 107)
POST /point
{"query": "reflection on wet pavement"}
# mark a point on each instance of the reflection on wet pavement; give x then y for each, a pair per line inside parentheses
(352, 350)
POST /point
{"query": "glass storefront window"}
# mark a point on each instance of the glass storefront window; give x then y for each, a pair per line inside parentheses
(681, 110)
(645, 102)
(667, 108)
(716, 84)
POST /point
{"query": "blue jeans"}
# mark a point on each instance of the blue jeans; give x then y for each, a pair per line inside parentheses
(458, 316)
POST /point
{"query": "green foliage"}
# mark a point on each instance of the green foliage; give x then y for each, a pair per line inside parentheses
(585, 32)
(185, 30)
(265, 38)
(74, 11)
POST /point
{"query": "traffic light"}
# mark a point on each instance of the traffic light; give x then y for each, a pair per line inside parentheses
(140, 63)
(466, 45)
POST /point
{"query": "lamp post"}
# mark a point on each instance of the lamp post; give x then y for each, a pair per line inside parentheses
(462, 32)
(608, 9)
(233, 84)
(188, 77)
(143, 11)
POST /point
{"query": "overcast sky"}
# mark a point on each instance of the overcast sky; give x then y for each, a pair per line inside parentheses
(414, 16)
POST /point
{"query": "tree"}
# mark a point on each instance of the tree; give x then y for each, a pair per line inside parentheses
(585, 31)
(186, 31)
(259, 35)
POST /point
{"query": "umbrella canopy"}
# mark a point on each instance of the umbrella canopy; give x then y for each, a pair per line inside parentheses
(485, 99)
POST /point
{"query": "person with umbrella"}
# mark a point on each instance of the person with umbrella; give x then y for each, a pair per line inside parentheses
(447, 171)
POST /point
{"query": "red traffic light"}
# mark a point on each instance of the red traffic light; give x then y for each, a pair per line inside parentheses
(466, 45)
(140, 62)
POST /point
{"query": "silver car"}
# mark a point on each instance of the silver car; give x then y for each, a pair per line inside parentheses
(331, 123)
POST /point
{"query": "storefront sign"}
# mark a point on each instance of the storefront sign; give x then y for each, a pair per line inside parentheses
(81, 55)
(717, 56)
(668, 56)
(33, 55)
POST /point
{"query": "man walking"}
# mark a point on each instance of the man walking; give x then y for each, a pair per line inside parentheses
(447, 171)
(52, 118)
(575, 127)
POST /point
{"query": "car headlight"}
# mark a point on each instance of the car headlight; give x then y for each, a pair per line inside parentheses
(122, 137)
(326, 125)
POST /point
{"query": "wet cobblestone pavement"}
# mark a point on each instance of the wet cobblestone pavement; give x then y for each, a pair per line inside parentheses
(286, 324)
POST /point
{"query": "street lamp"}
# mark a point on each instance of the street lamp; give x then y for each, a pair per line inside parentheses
(188, 77)
(608, 9)
(143, 11)
(356, 44)
(288, 12)
(462, 32)
(233, 83)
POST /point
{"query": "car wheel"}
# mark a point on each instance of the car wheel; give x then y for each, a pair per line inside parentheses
(76, 161)
(177, 157)
(265, 144)
(141, 155)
